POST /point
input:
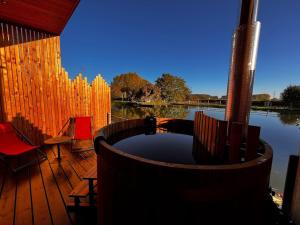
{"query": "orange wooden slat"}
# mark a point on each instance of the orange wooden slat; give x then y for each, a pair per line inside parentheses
(58, 79)
(34, 86)
(27, 63)
(9, 83)
(51, 87)
(37, 87)
(19, 73)
(3, 79)
(23, 67)
(15, 86)
(100, 84)
(45, 75)
(65, 113)
(42, 84)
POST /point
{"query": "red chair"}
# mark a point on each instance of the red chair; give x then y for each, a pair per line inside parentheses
(80, 129)
(14, 144)
(82, 138)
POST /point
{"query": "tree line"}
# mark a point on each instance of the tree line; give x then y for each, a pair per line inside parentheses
(170, 88)
(291, 96)
(133, 87)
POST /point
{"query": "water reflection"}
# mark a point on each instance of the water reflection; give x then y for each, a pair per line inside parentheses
(289, 118)
(129, 112)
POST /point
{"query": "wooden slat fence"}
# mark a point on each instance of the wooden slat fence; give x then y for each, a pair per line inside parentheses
(217, 139)
(36, 93)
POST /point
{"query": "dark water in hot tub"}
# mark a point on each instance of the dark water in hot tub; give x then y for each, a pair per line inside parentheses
(164, 147)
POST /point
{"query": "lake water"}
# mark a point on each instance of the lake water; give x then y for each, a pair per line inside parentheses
(280, 130)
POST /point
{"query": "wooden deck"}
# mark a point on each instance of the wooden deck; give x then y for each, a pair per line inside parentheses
(38, 194)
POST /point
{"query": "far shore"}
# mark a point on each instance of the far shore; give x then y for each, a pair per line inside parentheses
(213, 105)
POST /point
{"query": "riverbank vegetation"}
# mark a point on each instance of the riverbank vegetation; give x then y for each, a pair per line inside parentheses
(169, 89)
(132, 87)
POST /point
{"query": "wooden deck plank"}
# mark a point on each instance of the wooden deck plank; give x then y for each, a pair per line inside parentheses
(41, 211)
(56, 203)
(2, 177)
(7, 199)
(74, 159)
(63, 185)
(91, 174)
(38, 194)
(70, 173)
(23, 208)
(86, 162)
(73, 170)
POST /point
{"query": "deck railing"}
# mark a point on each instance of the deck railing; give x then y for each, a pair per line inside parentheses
(36, 93)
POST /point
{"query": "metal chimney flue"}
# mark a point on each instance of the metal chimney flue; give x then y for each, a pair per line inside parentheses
(243, 64)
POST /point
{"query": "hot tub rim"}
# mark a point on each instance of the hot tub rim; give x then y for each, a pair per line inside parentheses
(267, 156)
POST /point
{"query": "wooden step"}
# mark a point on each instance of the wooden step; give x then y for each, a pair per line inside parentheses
(72, 205)
(82, 189)
(91, 174)
(85, 189)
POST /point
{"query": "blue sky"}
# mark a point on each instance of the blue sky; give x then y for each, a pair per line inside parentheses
(190, 38)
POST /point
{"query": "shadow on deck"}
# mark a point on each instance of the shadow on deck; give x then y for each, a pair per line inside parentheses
(39, 194)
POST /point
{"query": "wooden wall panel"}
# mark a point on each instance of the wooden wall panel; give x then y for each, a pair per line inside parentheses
(37, 95)
(219, 140)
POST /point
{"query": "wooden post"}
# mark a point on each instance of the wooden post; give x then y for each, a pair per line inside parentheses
(295, 206)
(290, 183)
(108, 118)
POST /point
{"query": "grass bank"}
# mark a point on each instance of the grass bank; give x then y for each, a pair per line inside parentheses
(213, 105)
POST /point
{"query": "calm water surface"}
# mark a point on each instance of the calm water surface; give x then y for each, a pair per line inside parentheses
(160, 147)
(280, 130)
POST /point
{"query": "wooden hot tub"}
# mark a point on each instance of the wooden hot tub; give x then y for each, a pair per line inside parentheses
(137, 190)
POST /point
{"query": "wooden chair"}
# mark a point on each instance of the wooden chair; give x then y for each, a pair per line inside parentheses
(81, 131)
(14, 144)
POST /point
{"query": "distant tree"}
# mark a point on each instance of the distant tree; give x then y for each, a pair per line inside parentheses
(193, 97)
(196, 97)
(127, 85)
(261, 97)
(149, 93)
(291, 95)
(275, 99)
(173, 88)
